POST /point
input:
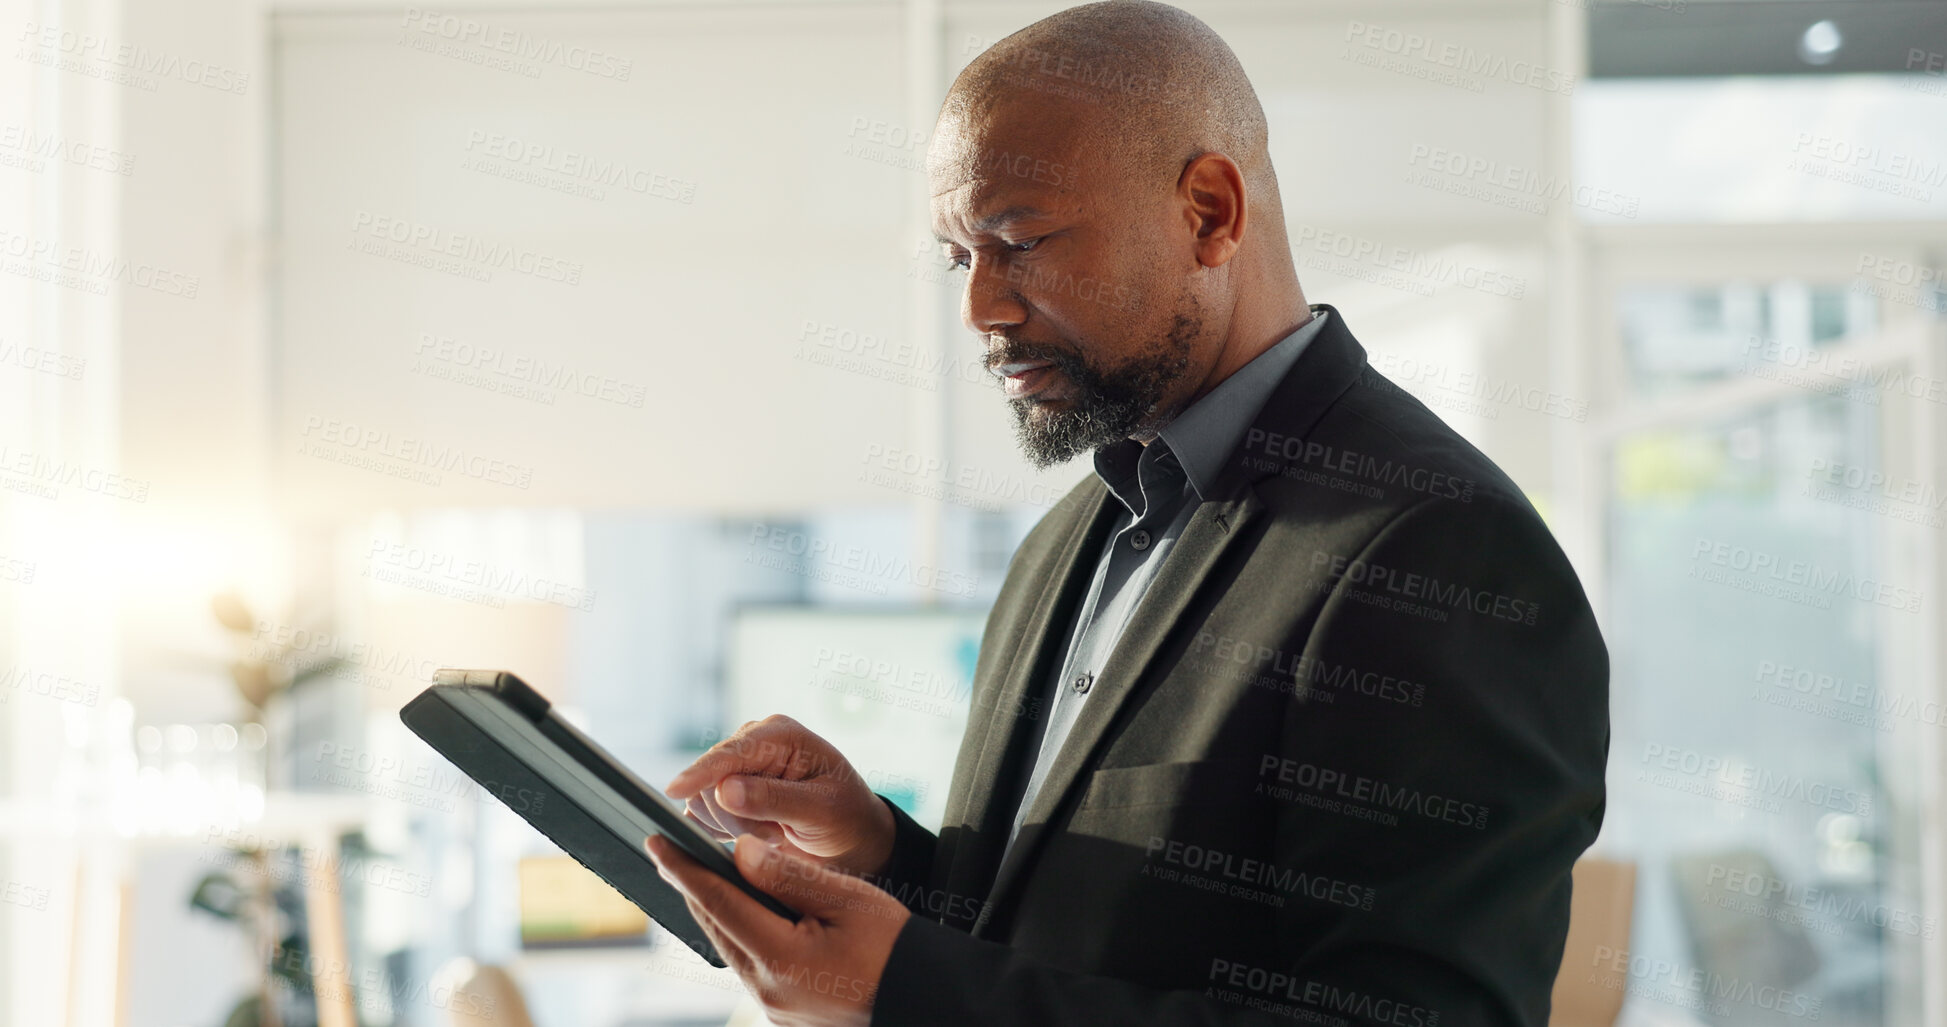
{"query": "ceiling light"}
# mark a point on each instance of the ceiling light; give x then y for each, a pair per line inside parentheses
(1820, 43)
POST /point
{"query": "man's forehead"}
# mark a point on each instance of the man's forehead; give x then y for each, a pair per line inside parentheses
(971, 137)
(1005, 161)
(982, 214)
(1009, 186)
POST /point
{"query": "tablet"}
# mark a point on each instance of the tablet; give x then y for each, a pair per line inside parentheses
(504, 735)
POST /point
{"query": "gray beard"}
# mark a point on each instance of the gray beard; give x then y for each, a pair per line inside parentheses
(1106, 405)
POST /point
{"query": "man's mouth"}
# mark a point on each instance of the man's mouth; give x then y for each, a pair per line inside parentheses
(1024, 378)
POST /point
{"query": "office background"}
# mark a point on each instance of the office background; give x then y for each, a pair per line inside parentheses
(606, 342)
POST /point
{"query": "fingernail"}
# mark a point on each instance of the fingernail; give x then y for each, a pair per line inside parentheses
(732, 793)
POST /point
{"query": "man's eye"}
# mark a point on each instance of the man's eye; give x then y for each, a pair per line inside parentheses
(956, 262)
(1022, 247)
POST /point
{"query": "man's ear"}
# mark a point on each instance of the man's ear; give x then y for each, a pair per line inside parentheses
(1212, 190)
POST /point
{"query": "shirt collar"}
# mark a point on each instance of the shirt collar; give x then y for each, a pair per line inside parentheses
(1202, 437)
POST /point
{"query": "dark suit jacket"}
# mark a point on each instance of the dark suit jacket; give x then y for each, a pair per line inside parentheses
(1337, 769)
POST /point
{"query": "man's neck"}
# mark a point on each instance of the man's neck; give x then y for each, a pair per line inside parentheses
(1234, 359)
(1218, 375)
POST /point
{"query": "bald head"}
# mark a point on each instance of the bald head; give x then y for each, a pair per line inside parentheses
(1149, 86)
(1104, 177)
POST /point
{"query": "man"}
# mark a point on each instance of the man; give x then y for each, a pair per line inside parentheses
(1293, 709)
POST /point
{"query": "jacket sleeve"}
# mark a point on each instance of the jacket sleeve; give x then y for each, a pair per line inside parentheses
(1502, 770)
(911, 865)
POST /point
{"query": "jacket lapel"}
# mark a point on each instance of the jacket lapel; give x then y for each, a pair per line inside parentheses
(1164, 608)
(1322, 373)
(1064, 569)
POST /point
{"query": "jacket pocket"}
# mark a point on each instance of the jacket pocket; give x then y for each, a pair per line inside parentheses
(1213, 782)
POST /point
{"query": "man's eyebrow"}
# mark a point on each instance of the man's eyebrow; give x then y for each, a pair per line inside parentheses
(988, 222)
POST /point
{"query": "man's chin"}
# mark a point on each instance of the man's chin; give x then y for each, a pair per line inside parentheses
(1049, 433)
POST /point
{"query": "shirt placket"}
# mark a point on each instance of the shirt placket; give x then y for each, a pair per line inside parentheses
(1128, 550)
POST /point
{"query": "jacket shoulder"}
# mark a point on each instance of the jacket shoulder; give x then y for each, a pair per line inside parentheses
(1378, 450)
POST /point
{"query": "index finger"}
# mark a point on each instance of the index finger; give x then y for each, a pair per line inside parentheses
(768, 747)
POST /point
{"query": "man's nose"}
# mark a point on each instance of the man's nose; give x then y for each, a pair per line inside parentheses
(990, 302)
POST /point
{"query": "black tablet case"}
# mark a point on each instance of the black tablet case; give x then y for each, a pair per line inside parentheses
(622, 862)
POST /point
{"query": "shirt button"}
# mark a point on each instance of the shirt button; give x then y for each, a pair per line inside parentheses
(1083, 682)
(1139, 538)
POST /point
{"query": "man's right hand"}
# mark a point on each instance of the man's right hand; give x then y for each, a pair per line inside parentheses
(775, 779)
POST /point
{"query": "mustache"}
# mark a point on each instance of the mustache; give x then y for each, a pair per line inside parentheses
(1013, 351)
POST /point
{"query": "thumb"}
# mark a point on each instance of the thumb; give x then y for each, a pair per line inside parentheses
(806, 886)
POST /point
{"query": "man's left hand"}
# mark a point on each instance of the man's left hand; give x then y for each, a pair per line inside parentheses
(822, 970)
